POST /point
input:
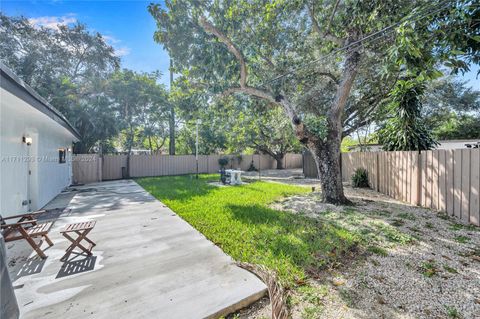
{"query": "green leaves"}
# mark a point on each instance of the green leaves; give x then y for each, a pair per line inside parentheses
(317, 125)
(405, 129)
(68, 66)
(142, 106)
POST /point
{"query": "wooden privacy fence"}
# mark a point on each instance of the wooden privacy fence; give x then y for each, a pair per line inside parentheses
(444, 180)
(86, 168)
(89, 168)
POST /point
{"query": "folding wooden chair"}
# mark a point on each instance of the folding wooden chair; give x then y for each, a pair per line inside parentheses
(26, 228)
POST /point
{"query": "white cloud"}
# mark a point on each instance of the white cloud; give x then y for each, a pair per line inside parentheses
(53, 22)
(115, 43)
(122, 51)
(110, 39)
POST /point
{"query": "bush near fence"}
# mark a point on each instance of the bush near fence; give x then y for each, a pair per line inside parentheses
(444, 180)
(89, 168)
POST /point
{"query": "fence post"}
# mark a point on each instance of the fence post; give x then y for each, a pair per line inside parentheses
(303, 163)
(419, 179)
(377, 173)
(99, 168)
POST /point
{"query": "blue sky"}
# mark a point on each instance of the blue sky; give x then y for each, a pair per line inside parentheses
(127, 26)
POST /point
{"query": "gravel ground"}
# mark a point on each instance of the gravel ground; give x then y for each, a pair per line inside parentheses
(418, 264)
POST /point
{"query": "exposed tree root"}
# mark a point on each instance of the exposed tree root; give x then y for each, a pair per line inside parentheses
(277, 294)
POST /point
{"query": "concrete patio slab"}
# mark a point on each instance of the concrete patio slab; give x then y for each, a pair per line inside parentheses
(148, 263)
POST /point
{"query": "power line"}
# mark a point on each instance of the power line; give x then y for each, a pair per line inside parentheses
(371, 37)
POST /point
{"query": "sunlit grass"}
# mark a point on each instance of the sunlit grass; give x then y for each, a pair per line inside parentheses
(238, 219)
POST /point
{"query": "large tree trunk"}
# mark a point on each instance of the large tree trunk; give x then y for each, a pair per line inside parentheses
(279, 158)
(327, 159)
(326, 150)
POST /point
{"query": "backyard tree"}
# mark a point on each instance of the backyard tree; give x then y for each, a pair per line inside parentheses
(251, 48)
(232, 125)
(68, 66)
(451, 109)
(265, 130)
(416, 55)
(135, 94)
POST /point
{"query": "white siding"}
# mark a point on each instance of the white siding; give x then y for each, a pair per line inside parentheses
(49, 177)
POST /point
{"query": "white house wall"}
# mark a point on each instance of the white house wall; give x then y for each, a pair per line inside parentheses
(48, 176)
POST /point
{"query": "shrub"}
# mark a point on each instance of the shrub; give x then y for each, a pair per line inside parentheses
(252, 167)
(223, 161)
(360, 178)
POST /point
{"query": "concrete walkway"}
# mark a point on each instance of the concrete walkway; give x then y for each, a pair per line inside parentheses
(148, 263)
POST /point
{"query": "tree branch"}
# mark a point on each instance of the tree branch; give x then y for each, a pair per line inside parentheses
(280, 100)
(314, 21)
(252, 92)
(350, 71)
(329, 75)
(210, 28)
(316, 27)
(332, 16)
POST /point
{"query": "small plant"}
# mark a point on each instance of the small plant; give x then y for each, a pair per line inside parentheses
(311, 312)
(415, 229)
(239, 158)
(450, 269)
(378, 251)
(252, 167)
(360, 178)
(456, 226)
(392, 234)
(452, 312)
(408, 216)
(347, 296)
(462, 239)
(223, 161)
(429, 269)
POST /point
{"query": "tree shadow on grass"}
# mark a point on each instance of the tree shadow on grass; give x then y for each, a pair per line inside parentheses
(302, 242)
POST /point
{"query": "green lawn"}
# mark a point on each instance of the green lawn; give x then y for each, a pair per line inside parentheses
(239, 221)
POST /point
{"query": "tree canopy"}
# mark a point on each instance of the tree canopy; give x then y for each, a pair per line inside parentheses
(329, 65)
(265, 76)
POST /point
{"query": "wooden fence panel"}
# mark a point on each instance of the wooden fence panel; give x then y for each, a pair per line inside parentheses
(457, 183)
(449, 177)
(442, 186)
(465, 188)
(417, 179)
(475, 187)
(291, 161)
(443, 180)
(310, 168)
(160, 165)
(86, 168)
(112, 166)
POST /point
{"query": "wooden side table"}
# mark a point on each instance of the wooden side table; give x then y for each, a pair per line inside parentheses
(82, 230)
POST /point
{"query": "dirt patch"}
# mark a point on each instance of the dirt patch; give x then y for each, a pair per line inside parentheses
(415, 263)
